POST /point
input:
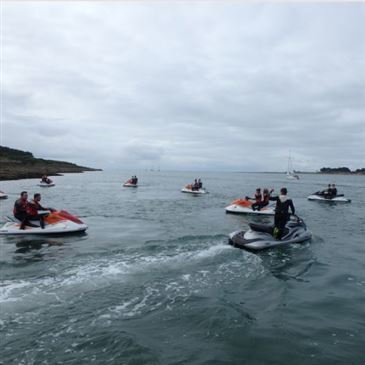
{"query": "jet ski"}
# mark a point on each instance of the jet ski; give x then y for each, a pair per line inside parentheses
(320, 196)
(3, 195)
(57, 222)
(260, 236)
(243, 206)
(189, 189)
(44, 184)
(130, 184)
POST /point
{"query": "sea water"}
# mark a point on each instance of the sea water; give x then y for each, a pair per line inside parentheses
(154, 281)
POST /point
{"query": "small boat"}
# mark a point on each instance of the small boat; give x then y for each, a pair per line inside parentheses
(326, 198)
(58, 222)
(290, 173)
(189, 189)
(261, 236)
(44, 184)
(3, 195)
(244, 206)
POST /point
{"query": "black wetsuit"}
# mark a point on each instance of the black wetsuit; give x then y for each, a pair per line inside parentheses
(282, 213)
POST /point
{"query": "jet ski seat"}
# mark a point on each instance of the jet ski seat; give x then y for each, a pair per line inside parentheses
(266, 228)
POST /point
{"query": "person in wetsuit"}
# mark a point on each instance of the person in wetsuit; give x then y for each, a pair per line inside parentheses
(20, 210)
(195, 186)
(258, 200)
(283, 203)
(326, 192)
(200, 184)
(333, 193)
(34, 206)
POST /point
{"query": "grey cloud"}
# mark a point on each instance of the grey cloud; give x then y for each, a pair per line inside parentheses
(188, 86)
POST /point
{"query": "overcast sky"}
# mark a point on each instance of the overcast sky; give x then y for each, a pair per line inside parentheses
(185, 85)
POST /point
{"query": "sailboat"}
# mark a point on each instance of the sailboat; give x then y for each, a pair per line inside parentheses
(290, 174)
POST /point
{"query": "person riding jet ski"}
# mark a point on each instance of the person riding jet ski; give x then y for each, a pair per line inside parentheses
(46, 179)
(283, 203)
(257, 199)
(20, 210)
(34, 208)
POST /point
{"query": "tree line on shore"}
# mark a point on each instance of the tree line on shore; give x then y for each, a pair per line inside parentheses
(341, 170)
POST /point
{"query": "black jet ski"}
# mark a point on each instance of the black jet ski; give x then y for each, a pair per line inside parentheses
(260, 236)
(328, 198)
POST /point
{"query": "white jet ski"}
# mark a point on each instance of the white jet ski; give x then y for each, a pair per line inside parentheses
(59, 222)
(46, 185)
(243, 206)
(260, 236)
(130, 184)
(189, 189)
(3, 195)
(338, 198)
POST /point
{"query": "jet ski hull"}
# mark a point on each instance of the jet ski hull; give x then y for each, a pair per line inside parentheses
(238, 209)
(195, 192)
(261, 239)
(13, 228)
(60, 222)
(129, 185)
(244, 206)
(45, 185)
(340, 199)
(3, 196)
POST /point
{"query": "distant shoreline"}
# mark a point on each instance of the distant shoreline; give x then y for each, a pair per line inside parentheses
(303, 173)
(17, 165)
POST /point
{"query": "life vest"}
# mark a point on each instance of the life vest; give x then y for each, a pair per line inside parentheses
(20, 206)
(33, 208)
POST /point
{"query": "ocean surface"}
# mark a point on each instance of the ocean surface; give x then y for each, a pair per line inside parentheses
(154, 281)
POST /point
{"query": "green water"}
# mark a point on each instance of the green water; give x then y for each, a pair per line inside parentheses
(154, 281)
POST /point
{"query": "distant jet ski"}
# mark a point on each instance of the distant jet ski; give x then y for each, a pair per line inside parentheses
(189, 189)
(58, 222)
(320, 196)
(44, 184)
(260, 236)
(244, 206)
(3, 195)
(130, 184)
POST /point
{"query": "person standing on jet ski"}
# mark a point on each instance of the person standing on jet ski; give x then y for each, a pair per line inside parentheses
(33, 208)
(283, 203)
(200, 184)
(20, 210)
(258, 200)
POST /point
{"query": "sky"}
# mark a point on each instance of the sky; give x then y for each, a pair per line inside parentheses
(184, 85)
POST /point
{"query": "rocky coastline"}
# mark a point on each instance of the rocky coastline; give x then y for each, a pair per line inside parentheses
(17, 164)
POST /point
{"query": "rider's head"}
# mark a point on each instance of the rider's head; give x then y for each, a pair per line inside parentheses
(24, 195)
(283, 191)
(37, 197)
